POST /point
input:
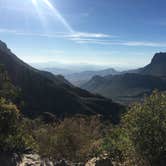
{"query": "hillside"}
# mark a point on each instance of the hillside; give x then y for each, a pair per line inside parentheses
(45, 92)
(129, 87)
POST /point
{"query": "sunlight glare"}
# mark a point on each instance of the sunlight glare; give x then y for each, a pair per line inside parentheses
(40, 14)
(59, 16)
(34, 2)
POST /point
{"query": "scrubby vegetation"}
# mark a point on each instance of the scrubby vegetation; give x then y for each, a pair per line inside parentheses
(76, 139)
(139, 139)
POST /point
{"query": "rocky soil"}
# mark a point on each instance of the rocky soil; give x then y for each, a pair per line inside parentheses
(36, 160)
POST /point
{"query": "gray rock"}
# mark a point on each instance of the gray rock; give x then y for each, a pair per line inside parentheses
(99, 162)
(61, 163)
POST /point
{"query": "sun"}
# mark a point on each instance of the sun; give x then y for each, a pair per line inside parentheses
(34, 2)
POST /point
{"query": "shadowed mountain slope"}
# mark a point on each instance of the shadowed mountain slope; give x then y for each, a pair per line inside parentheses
(45, 92)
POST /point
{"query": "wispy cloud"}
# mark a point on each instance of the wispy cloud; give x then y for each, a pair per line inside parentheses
(89, 35)
(144, 43)
(22, 33)
(121, 43)
(88, 38)
(73, 36)
(3, 30)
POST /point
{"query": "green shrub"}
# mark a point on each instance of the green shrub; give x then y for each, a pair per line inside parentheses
(145, 125)
(140, 138)
(12, 136)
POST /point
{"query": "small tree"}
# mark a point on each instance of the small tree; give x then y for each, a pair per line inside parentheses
(12, 136)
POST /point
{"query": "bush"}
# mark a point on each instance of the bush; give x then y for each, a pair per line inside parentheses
(145, 125)
(140, 138)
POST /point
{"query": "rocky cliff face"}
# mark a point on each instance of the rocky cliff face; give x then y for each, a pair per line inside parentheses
(159, 58)
(157, 67)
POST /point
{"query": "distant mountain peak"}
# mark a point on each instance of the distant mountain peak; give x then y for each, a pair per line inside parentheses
(159, 58)
(130, 87)
(79, 79)
(157, 66)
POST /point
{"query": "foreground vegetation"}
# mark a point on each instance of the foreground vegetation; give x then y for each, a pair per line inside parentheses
(138, 140)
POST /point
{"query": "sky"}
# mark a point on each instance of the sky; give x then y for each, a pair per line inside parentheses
(115, 33)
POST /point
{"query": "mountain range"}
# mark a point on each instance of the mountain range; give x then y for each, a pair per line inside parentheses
(44, 92)
(155, 68)
(80, 78)
(130, 86)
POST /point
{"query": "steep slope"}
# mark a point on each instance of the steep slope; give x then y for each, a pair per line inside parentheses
(45, 92)
(131, 87)
(79, 79)
(157, 67)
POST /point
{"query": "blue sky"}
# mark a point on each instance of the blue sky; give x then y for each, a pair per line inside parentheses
(117, 33)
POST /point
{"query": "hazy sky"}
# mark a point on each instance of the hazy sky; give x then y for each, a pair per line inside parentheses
(122, 33)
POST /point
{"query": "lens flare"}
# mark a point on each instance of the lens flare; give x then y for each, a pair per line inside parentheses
(55, 13)
(40, 14)
(59, 16)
